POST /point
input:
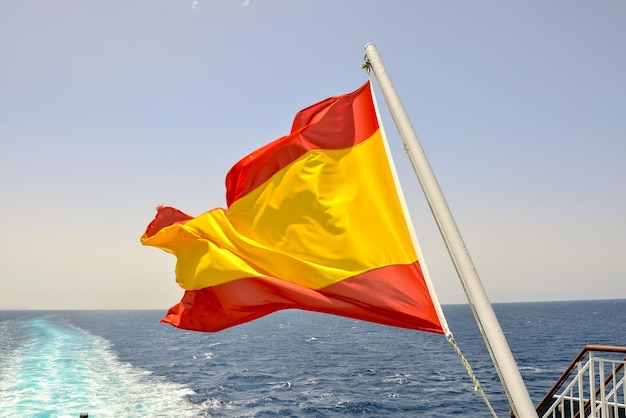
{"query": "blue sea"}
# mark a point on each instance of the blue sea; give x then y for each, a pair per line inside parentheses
(288, 364)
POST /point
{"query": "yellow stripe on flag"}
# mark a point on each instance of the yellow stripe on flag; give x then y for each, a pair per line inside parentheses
(330, 215)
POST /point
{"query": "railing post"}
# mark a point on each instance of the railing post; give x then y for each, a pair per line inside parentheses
(614, 391)
(581, 391)
(592, 384)
(623, 384)
(603, 405)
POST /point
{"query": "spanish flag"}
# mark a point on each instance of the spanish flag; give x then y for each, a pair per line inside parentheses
(314, 222)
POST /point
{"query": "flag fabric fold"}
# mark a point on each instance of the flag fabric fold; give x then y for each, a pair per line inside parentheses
(313, 222)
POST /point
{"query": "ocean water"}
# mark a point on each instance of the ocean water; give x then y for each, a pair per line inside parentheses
(289, 364)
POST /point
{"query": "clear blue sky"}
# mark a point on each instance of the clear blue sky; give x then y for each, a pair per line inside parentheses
(108, 109)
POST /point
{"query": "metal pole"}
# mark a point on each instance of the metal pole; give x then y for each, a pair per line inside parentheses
(485, 316)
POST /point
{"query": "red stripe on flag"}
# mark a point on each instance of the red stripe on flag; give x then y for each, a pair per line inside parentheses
(166, 216)
(390, 295)
(335, 123)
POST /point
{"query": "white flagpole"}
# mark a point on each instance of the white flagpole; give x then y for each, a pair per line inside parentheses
(495, 340)
(407, 217)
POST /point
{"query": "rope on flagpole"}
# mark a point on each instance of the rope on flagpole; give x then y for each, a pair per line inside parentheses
(471, 374)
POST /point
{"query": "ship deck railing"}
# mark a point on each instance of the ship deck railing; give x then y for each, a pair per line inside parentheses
(593, 386)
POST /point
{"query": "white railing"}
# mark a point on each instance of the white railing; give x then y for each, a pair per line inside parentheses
(593, 386)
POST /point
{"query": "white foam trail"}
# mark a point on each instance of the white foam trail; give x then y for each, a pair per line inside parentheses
(64, 370)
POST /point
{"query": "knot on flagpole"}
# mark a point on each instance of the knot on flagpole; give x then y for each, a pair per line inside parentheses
(366, 66)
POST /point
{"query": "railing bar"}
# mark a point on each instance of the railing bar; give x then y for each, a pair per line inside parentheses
(581, 401)
(623, 385)
(606, 348)
(603, 405)
(592, 385)
(614, 393)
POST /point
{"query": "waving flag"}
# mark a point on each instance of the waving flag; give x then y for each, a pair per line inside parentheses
(314, 222)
